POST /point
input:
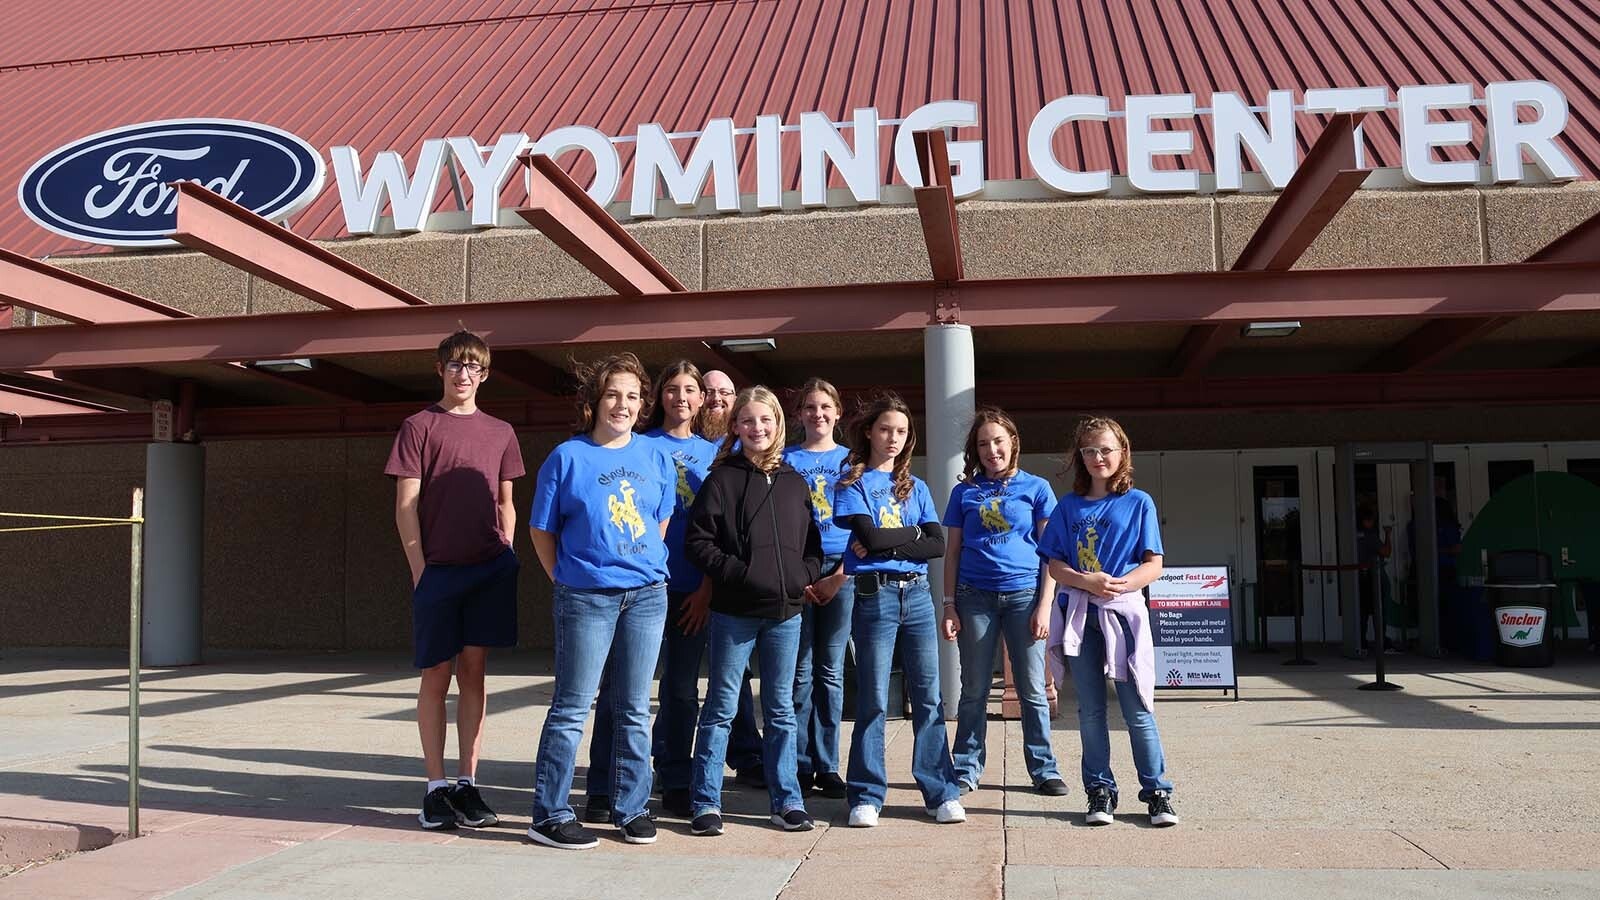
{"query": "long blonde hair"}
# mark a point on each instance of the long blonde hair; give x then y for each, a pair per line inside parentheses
(771, 459)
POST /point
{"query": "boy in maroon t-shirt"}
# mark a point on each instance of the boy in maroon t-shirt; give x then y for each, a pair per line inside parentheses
(453, 465)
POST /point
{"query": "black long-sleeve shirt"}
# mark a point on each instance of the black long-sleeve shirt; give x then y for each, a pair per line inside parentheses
(914, 542)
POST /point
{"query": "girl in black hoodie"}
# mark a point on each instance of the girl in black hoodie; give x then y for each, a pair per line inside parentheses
(752, 532)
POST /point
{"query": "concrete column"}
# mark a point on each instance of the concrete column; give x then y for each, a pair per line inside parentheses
(174, 536)
(1344, 514)
(950, 378)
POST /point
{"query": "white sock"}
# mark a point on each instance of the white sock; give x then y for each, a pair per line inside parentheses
(467, 780)
(435, 785)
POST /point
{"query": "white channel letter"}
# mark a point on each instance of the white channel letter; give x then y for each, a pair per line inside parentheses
(1419, 134)
(410, 199)
(487, 176)
(1507, 137)
(1144, 144)
(711, 158)
(1347, 99)
(1237, 128)
(1041, 136)
(607, 165)
(820, 143)
(769, 162)
(146, 166)
(966, 156)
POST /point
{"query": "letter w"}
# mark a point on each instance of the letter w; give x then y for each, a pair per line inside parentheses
(411, 199)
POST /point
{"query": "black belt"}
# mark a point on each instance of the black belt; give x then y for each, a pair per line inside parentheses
(892, 577)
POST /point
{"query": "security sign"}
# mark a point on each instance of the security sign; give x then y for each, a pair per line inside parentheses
(115, 187)
(1191, 621)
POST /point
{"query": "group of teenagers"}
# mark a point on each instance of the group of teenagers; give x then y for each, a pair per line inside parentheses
(678, 529)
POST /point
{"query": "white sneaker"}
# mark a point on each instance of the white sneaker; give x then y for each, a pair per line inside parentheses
(864, 816)
(948, 812)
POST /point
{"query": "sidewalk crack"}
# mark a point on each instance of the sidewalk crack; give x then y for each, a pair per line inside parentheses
(1424, 850)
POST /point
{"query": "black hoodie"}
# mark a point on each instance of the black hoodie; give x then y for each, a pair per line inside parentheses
(754, 536)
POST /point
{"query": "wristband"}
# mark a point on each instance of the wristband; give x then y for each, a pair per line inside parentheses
(949, 601)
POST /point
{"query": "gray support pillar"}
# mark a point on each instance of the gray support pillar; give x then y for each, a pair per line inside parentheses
(950, 379)
(174, 535)
(1426, 553)
(1344, 513)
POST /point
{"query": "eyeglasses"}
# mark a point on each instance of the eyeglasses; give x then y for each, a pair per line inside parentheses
(456, 366)
(721, 392)
(1093, 453)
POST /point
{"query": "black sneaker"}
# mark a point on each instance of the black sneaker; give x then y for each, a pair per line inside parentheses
(597, 809)
(676, 802)
(751, 777)
(793, 820)
(639, 830)
(1053, 787)
(1102, 803)
(568, 835)
(706, 825)
(1161, 813)
(807, 781)
(438, 814)
(830, 785)
(469, 804)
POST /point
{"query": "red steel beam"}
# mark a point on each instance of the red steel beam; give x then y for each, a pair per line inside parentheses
(936, 206)
(39, 286)
(21, 401)
(223, 229)
(1321, 186)
(7, 313)
(578, 225)
(1185, 297)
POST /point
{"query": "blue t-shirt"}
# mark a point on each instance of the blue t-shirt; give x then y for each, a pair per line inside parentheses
(691, 457)
(1111, 534)
(605, 507)
(821, 470)
(998, 522)
(873, 496)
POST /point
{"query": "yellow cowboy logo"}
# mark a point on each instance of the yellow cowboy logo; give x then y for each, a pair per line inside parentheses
(819, 499)
(685, 492)
(889, 516)
(624, 514)
(1088, 561)
(992, 519)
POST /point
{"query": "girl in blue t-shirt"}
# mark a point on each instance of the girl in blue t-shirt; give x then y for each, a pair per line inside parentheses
(1103, 546)
(894, 531)
(997, 589)
(825, 621)
(600, 511)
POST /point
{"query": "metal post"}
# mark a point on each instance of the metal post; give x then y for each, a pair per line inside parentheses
(1299, 614)
(1382, 637)
(950, 376)
(175, 478)
(135, 615)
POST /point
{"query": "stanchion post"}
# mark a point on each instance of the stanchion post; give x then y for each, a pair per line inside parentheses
(135, 615)
(1382, 633)
(1298, 574)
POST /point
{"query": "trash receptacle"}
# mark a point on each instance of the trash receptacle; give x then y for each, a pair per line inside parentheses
(1521, 594)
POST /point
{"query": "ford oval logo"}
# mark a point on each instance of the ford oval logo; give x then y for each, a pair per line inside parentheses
(113, 187)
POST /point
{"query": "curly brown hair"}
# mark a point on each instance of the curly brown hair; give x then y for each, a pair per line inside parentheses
(592, 378)
(1121, 480)
(971, 466)
(860, 441)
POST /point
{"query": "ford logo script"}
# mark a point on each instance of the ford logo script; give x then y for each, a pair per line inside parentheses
(113, 187)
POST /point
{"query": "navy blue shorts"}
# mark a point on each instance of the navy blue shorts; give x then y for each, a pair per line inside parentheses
(464, 606)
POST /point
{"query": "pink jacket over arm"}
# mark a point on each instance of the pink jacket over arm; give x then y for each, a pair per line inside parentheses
(1125, 660)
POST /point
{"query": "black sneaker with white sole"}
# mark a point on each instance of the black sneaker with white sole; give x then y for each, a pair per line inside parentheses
(1053, 787)
(675, 801)
(597, 809)
(438, 814)
(830, 785)
(639, 830)
(1161, 812)
(1102, 803)
(470, 806)
(706, 825)
(568, 835)
(793, 820)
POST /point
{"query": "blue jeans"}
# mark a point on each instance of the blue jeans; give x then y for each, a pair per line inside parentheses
(600, 630)
(1089, 681)
(903, 614)
(672, 739)
(986, 616)
(819, 680)
(732, 640)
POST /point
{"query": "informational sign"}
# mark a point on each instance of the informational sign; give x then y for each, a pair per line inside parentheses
(115, 187)
(1520, 626)
(1191, 620)
(161, 421)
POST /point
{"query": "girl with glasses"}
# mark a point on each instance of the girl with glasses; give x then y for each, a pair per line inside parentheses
(1103, 546)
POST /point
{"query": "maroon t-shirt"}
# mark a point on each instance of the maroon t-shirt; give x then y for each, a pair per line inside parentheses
(461, 461)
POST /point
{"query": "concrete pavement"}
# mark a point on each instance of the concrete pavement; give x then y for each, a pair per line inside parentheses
(274, 776)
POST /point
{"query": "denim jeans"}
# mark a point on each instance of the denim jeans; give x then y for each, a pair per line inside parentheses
(672, 738)
(732, 639)
(986, 617)
(819, 680)
(903, 614)
(1089, 681)
(595, 631)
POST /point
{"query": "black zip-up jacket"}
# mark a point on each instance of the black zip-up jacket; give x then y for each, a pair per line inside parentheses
(754, 536)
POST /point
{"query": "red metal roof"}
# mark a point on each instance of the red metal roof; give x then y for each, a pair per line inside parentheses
(383, 76)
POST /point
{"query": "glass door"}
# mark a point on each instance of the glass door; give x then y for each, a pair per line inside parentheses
(1279, 530)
